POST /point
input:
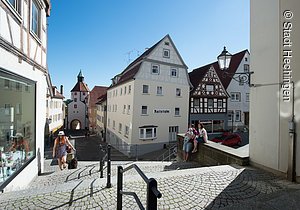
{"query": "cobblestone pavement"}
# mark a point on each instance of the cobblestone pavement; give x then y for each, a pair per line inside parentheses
(218, 187)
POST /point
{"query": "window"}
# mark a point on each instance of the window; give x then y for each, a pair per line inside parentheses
(16, 5)
(126, 131)
(235, 97)
(174, 72)
(147, 133)
(246, 59)
(159, 90)
(121, 92)
(129, 89)
(177, 111)
(108, 122)
(128, 110)
(144, 110)
(210, 103)
(124, 109)
(237, 115)
(35, 19)
(114, 124)
(120, 127)
(246, 68)
(145, 89)
(6, 83)
(18, 86)
(230, 115)
(75, 99)
(210, 87)
(17, 128)
(155, 69)
(83, 93)
(178, 92)
(220, 103)
(247, 97)
(167, 43)
(125, 90)
(75, 106)
(166, 53)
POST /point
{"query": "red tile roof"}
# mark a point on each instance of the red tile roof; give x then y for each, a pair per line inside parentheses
(80, 87)
(95, 93)
(57, 94)
(197, 74)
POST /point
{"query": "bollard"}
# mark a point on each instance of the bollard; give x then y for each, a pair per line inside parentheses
(101, 154)
(108, 184)
(119, 187)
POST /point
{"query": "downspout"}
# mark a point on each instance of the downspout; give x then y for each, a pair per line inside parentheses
(291, 173)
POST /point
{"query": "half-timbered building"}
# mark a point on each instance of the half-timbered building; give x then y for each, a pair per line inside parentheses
(208, 99)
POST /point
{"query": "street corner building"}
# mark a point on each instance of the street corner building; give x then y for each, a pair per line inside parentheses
(147, 103)
(23, 88)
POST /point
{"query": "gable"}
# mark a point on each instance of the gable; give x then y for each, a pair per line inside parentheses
(166, 52)
(210, 85)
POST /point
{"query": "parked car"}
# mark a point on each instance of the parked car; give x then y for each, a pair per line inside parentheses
(228, 139)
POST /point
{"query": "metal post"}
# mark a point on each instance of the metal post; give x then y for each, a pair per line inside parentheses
(101, 161)
(108, 184)
(119, 187)
(136, 152)
(152, 194)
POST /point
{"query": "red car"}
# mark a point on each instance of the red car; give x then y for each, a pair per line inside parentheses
(228, 139)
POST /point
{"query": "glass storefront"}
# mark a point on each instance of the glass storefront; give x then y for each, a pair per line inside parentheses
(211, 126)
(17, 124)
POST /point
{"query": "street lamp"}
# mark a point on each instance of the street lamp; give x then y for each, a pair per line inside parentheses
(224, 60)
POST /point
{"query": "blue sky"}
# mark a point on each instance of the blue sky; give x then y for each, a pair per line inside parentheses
(97, 37)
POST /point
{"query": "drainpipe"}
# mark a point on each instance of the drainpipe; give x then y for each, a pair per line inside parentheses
(291, 173)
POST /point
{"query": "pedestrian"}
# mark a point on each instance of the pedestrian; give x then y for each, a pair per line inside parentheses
(201, 137)
(60, 149)
(188, 142)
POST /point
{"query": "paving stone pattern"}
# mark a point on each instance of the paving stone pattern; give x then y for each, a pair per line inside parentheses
(198, 188)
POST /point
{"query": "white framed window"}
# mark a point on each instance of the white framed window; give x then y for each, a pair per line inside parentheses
(148, 133)
(159, 90)
(125, 88)
(230, 115)
(177, 111)
(220, 103)
(166, 53)
(126, 131)
(35, 18)
(247, 97)
(237, 115)
(128, 109)
(178, 92)
(129, 89)
(155, 69)
(174, 72)
(124, 109)
(210, 87)
(144, 110)
(15, 7)
(235, 96)
(114, 124)
(246, 68)
(145, 89)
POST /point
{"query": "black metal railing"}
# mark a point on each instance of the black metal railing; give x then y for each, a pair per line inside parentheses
(152, 191)
(105, 154)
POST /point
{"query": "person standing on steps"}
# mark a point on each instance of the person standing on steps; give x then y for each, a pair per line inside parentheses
(60, 149)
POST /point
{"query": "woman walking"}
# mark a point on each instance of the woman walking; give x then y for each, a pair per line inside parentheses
(60, 149)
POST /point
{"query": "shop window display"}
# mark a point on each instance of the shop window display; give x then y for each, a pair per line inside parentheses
(17, 123)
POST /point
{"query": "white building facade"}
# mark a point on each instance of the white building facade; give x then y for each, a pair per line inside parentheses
(23, 88)
(239, 92)
(147, 104)
(275, 96)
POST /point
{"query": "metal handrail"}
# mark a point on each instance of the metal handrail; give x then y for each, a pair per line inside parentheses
(152, 191)
(105, 154)
(163, 158)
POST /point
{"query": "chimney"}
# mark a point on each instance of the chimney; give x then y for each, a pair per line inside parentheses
(61, 89)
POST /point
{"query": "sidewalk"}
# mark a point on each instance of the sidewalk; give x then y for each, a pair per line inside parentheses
(218, 187)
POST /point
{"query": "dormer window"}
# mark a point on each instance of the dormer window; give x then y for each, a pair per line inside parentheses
(166, 53)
